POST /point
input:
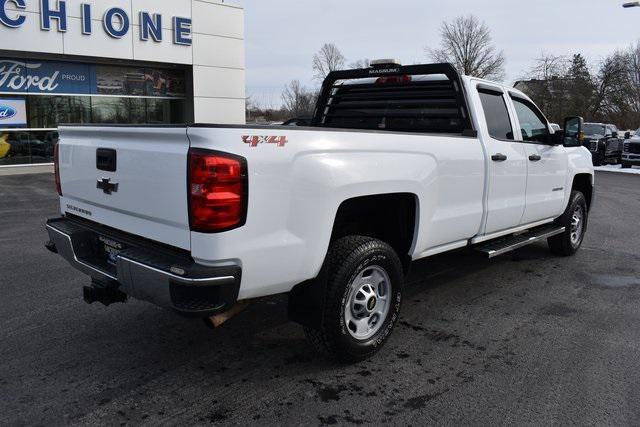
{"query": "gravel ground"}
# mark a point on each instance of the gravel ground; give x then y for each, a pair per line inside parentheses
(524, 339)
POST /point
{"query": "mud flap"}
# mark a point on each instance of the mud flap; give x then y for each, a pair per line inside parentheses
(307, 299)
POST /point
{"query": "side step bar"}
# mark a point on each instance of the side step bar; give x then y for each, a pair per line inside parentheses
(500, 246)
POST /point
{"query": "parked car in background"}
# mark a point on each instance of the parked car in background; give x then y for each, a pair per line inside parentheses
(604, 143)
(5, 147)
(631, 150)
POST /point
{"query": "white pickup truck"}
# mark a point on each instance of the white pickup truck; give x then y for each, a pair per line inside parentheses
(399, 163)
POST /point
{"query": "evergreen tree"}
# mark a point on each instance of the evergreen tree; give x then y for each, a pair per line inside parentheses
(581, 88)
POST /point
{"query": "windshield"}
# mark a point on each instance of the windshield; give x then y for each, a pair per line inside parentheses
(591, 129)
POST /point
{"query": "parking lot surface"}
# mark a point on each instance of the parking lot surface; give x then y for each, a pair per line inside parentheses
(527, 338)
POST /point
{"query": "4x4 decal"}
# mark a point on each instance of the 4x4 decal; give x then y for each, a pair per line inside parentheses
(254, 140)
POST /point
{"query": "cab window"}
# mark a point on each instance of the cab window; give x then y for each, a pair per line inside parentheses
(496, 114)
(532, 125)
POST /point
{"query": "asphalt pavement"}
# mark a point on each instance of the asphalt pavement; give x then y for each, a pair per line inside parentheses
(525, 339)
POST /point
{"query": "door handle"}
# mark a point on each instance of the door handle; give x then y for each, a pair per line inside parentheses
(535, 158)
(499, 157)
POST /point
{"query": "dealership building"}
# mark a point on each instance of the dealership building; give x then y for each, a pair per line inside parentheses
(115, 62)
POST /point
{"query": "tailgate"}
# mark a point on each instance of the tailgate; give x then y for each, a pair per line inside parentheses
(143, 191)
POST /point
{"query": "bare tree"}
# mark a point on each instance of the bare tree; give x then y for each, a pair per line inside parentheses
(612, 82)
(546, 82)
(360, 63)
(329, 58)
(297, 99)
(633, 70)
(548, 67)
(467, 44)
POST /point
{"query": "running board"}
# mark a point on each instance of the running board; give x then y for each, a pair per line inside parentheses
(500, 246)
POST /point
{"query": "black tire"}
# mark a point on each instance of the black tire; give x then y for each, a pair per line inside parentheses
(347, 258)
(598, 159)
(566, 244)
(626, 165)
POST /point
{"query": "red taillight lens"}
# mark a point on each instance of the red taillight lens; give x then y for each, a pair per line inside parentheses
(393, 79)
(217, 191)
(56, 167)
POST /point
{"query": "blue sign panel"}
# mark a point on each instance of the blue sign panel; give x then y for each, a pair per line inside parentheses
(45, 77)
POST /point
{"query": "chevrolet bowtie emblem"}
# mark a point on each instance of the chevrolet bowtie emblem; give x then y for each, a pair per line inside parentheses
(107, 186)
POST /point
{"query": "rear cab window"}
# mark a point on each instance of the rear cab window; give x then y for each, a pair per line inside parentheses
(421, 99)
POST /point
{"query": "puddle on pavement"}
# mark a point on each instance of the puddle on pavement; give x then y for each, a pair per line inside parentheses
(611, 281)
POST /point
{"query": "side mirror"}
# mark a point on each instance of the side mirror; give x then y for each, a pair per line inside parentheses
(627, 135)
(573, 134)
(614, 135)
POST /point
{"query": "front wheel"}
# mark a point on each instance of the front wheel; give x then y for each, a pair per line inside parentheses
(364, 292)
(574, 219)
(626, 165)
(598, 159)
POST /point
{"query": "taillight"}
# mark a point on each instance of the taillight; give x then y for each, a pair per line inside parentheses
(56, 167)
(393, 79)
(217, 191)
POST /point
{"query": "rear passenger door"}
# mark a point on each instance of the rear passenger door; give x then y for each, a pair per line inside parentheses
(507, 164)
(546, 164)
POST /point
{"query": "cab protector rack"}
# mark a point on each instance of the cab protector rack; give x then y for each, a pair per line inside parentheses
(403, 103)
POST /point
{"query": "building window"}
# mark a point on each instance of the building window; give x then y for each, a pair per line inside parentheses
(100, 94)
(49, 111)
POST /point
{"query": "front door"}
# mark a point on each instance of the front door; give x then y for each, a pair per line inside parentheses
(507, 168)
(546, 165)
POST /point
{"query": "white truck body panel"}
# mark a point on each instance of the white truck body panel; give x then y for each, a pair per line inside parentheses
(295, 192)
(151, 172)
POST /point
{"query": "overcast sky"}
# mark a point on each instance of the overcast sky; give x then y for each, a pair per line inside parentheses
(281, 36)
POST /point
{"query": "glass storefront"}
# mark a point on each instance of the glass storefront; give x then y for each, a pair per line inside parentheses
(31, 107)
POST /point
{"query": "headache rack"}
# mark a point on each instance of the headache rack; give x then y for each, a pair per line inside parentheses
(415, 98)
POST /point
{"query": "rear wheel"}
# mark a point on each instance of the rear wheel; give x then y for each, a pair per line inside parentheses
(364, 291)
(574, 220)
(626, 165)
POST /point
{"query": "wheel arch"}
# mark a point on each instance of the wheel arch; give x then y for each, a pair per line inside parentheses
(390, 217)
(583, 182)
(396, 224)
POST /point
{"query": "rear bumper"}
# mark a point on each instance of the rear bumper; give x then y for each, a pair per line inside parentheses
(146, 270)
